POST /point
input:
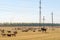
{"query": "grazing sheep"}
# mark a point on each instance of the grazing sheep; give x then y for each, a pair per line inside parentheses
(24, 30)
(2, 31)
(19, 28)
(30, 29)
(9, 35)
(9, 31)
(39, 30)
(15, 32)
(34, 29)
(3, 34)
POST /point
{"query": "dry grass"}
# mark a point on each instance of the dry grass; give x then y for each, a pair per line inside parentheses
(50, 35)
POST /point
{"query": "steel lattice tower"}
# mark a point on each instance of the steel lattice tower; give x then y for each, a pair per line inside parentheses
(52, 21)
(40, 11)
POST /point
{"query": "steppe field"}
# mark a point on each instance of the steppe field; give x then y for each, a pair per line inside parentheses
(30, 35)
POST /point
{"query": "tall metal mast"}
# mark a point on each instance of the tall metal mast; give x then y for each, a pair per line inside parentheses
(43, 21)
(40, 12)
(52, 17)
(52, 21)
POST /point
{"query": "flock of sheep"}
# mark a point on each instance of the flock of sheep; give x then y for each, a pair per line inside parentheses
(8, 33)
(11, 33)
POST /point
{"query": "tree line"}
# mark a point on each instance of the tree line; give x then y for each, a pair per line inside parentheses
(29, 24)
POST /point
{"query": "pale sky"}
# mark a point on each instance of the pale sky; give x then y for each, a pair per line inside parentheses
(27, 11)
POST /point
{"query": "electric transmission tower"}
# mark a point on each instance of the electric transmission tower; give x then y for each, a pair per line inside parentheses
(52, 17)
(43, 21)
(40, 11)
(52, 21)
